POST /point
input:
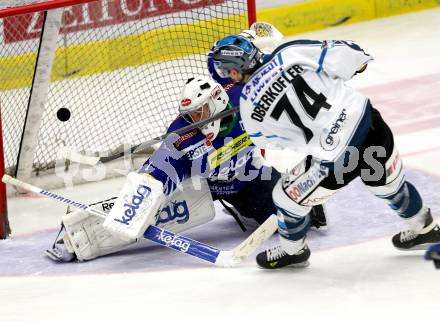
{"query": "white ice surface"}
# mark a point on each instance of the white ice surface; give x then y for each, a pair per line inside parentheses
(355, 273)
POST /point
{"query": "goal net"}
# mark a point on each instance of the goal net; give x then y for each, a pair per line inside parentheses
(95, 76)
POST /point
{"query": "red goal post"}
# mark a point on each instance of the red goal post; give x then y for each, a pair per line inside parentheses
(116, 65)
(4, 223)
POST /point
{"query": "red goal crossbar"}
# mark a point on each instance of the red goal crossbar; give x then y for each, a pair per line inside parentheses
(55, 4)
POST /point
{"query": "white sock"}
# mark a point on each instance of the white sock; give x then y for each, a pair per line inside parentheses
(418, 221)
(292, 247)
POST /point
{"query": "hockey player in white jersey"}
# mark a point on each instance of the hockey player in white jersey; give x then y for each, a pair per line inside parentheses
(297, 98)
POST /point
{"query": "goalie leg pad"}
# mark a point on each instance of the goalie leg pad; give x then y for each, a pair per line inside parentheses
(188, 207)
(87, 238)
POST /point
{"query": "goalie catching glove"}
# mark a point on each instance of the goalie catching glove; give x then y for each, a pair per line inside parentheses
(264, 35)
(136, 206)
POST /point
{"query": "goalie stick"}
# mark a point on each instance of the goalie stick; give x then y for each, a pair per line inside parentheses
(172, 240)
(69, 153)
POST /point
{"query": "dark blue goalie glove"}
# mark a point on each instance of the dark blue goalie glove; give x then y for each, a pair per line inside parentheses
(433, 253)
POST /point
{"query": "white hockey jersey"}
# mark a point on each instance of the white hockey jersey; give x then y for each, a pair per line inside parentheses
(299, 99)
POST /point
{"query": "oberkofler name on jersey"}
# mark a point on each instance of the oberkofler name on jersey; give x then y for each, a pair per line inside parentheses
(273, 91)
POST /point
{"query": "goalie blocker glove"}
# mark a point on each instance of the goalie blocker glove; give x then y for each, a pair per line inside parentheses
(136, 206)
(433, 253)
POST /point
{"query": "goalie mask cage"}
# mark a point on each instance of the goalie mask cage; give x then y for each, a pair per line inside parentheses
(96, 75)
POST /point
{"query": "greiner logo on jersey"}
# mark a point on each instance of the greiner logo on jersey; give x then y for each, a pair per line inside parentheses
(229, 150)
(142, 191)
(329, 138)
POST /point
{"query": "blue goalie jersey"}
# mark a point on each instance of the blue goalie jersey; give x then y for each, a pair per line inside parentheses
(228, 162)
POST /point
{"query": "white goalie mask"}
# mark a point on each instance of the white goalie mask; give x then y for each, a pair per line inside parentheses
(202, 98)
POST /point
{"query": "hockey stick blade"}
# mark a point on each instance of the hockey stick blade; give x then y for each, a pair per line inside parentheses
(254, 241)
(136, 149)
(249, 245)
(169, 239)
(70, 154)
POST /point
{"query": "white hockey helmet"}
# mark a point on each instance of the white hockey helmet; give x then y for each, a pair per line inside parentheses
(199, 92)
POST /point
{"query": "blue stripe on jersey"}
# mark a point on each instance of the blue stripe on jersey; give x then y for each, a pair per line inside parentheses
(280, 58)
(276, 136)
(267, 58)
(259, 134)
(321, 59)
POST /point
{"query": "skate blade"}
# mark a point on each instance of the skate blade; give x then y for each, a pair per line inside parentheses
(323, 228)
(53, 256)
(56, 256)
(420, 247)
(299, 265)
(291, 266)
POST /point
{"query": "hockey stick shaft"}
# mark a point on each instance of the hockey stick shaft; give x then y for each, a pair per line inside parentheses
(143, 146)
(167, 238)
(92, 160)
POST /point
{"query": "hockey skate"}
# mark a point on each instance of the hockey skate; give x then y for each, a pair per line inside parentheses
(411, 240)
(317, 218)
(276, 258)
(59, 253)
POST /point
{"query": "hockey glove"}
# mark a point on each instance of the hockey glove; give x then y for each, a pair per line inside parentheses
(136, 206)
(433, 253)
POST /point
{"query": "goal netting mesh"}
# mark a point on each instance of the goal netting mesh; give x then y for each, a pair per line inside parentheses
(119, 67)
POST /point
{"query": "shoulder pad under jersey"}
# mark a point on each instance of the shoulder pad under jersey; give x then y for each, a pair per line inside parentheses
(186, 139)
